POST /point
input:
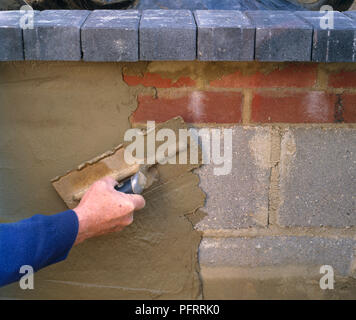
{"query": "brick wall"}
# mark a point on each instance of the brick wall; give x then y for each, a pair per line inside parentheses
(288, 207)
(251, 93)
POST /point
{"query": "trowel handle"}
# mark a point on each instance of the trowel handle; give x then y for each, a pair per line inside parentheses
(126, 187)
(132, 185)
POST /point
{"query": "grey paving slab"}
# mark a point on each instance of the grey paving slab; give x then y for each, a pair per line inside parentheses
(224, 35)
(318, 178)
(167, 35)
(111, 35)
(281, 36)
(56, 35)
(278, 251)
(334, 36)
(11, 48)
(239, 198)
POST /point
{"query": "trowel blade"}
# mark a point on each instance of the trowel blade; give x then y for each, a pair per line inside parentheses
(73, 185)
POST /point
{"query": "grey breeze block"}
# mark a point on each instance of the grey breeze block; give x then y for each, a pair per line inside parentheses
(11, 45)
(318, 178)
(111, 35)
(56, 35)
(244, 200)
(167, 35)
(281, 36)
(278, 251)
(224, 35)
(331, 43)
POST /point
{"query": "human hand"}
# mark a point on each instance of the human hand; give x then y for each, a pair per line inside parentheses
(103, 209)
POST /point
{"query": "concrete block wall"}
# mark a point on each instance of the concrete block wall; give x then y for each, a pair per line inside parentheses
(287, 209)
(289, 205)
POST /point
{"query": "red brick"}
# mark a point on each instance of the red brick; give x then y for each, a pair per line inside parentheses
(194, 107)
(349, 108)
(294, 75)
(344, 79)
(156, 80)
(306, 107)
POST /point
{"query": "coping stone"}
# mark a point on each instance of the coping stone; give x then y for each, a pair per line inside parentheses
(332, 43)
(111, 35)
(11, 48)
(224, 35)
(56, 35)
(281, 36)
(167, 35)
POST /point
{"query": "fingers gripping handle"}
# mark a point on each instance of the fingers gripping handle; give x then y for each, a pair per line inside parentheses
(132, 185)
(126, 187)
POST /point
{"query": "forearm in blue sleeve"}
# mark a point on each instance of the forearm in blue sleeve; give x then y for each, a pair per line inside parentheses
(38, 241)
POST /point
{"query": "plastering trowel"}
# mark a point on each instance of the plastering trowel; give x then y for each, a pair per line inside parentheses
(132, 178)
(139, 181)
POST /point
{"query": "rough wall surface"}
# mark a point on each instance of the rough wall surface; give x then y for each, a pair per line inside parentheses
(55, 116)
(287, 208)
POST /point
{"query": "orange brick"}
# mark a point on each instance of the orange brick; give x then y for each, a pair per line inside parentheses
(344, 79)
(349, 108)
(156, 80)
(194, 107)
(307, 107)
(294, 75)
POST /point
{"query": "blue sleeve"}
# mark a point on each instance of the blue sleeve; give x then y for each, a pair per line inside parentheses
(38, 241)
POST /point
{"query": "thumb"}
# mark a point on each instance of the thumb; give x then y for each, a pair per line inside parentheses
(138, 201)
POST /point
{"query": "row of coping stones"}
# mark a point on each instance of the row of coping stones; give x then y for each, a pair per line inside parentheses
(276, 36)
(131, 35)
(207, 35)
